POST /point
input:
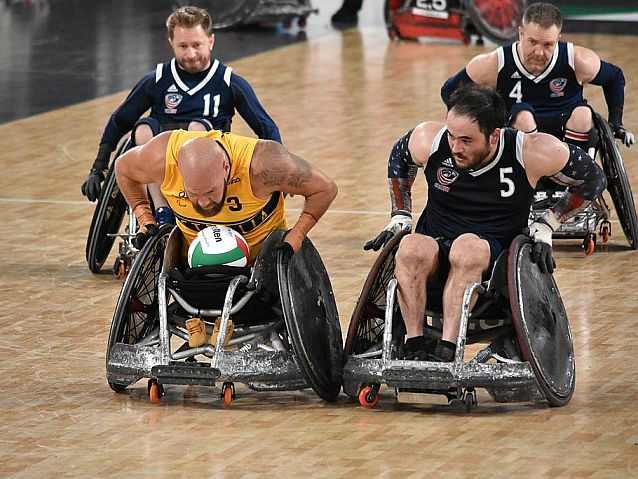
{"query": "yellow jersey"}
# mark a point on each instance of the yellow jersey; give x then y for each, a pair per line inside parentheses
(252, 217)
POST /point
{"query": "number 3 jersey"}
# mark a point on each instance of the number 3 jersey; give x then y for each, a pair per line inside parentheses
(254, 218)
(493, 200)
(553, 92)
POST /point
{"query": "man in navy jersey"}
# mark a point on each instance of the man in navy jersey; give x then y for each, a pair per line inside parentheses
(541, 80)
(193, 92)
(481, 179)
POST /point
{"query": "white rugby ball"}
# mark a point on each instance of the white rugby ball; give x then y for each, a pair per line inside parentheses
(218, 245)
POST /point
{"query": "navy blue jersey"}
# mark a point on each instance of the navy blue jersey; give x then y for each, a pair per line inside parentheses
(553, 92)
(493, 200)
(175, 96)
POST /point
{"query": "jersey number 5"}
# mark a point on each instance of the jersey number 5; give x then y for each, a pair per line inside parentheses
(507, 181)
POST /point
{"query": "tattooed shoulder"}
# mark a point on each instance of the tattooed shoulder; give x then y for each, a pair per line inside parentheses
(280, 168)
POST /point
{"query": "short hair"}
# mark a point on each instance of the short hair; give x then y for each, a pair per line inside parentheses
(544, 14)
(481, 104)
(189, 17)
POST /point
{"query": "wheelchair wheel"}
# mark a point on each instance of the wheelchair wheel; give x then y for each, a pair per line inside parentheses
(312, 320)
(617, 181)
(541, 324)
(227, 12)
(137, 310)
(368, 318)
(107, 218)
(497, 20)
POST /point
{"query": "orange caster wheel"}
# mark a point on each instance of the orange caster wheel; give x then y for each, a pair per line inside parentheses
(155, 391)
(120, 268)
(589, 244)
(369, 396)
(605, 231)
(228, 394)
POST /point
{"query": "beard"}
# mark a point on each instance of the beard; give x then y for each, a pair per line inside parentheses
(194, 65)
(212, 210)
(470, 161)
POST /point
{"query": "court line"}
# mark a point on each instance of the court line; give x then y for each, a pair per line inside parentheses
(88, 203)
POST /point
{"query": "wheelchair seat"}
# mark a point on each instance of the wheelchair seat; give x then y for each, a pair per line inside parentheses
(269, 342)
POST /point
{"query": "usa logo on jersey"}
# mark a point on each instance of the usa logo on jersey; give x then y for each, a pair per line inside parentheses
(557, 85)
(445, 177)
(171, 101)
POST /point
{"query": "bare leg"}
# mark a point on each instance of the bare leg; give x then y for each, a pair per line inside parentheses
(469, 260)
(416, 260)
(524, 121)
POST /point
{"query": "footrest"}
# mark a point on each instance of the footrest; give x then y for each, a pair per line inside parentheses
(181, 373)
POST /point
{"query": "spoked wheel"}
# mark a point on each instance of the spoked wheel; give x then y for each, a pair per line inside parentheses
(365, 331)
(137, 310)
(617, 181)
(541, 324)
(497, 20)
(107, 218)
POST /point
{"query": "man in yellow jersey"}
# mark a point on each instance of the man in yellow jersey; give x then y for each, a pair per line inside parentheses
(223, 178)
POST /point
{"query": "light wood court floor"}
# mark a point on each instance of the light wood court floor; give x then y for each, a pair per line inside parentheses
(340, 102)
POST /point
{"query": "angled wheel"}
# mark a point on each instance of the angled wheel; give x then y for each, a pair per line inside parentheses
(497, 20)
(617, 181)
(365, 331)
(312, 319)
(107, 218)
(541, 324)
(137, 309)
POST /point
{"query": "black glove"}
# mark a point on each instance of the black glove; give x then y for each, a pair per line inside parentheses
(541, 233)
(398, 223)
(93, 185)
(623, 135)
(143, 236)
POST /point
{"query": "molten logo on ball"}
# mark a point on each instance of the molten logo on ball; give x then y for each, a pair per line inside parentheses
(218, 245)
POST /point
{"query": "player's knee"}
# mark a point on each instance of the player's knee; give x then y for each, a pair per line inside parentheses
(142, 134)
(580, 120)
(524, 121)
(469, 252)
(415, 251)
(196, 126)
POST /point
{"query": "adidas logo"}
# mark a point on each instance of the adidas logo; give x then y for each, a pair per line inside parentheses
(515, 75)
(448, 162)
(172, 88)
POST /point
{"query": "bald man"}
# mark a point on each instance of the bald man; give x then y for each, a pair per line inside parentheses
(226, 179)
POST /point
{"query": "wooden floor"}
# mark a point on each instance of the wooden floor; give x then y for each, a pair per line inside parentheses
(340, 102)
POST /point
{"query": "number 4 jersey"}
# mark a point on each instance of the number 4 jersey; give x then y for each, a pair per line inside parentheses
(493, 200)
(553, 92)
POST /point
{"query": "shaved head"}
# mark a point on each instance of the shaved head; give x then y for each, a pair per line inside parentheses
(204, 167)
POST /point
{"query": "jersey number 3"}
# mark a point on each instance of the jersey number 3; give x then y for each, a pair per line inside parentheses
(509, 191)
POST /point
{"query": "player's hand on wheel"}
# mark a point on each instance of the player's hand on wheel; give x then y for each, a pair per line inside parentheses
(93, 185)
(144, 234)
(541, 233)
(398, 222)
(623, 135)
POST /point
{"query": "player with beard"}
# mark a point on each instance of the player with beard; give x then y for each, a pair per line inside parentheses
(224, 179)
(193, 91)
(481, 178)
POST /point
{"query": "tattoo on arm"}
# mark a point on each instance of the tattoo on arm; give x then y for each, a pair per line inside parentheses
(280, 168)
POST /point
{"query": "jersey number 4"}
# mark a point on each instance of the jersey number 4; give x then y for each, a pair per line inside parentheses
(516, 92)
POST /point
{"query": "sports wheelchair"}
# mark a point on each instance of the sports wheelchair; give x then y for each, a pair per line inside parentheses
(519, 313)
(286, 333)
(106, 223)
(596, 216)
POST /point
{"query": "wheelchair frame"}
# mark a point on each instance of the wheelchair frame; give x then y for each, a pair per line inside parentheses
(375, 339)
(106, 222)
(596, 216)
(146, 320)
